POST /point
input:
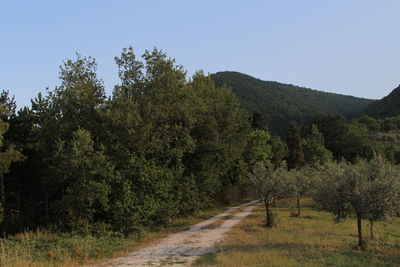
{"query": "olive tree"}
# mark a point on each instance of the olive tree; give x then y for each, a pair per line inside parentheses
(301, 182)
(343, 192)
(269, 184)
(383, 193)
(365, 190)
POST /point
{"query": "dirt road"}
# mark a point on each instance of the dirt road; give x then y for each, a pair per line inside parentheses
(182, 249)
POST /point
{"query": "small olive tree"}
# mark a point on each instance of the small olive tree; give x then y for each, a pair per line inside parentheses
(344, 193)
(301, 181)
(268, 184)
(383, 194)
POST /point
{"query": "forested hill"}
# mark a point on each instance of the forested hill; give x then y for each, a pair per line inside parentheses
(386, 107)
(280, 103)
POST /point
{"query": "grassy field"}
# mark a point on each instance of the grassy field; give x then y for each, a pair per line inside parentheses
(310, 240)
(42, 248)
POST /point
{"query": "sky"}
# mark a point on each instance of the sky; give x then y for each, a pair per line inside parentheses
(350, 47)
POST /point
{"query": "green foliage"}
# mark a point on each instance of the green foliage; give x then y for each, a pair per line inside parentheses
(301, 182)
(279, 150)
(315, 152)
(365, 190)
(8, 154)
(87, 176)
(384, 188)
(257, 121)
(76, 103)
(258, 148)
(342, 191)
(360, 138)
(386, 107)
(391, 123)
(268, 183)
(221, 133)
(281, 103)
(334, 128)
(162, 146)
(295, 158)
(357, 142)
(372, 124)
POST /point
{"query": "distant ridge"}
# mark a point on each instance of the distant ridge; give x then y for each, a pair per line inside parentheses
(280, 103)
(386, 107)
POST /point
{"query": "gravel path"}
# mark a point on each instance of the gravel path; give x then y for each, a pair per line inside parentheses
(182, 249)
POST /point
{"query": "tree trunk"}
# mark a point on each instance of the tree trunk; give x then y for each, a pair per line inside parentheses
(359, 228)
(267, 214)
(298, 206)
(371, 224)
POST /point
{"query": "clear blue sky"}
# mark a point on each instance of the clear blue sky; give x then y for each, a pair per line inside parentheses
(344, 46)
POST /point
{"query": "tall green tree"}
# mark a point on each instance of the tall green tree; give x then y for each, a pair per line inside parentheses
(78, 100)
(334, 129)
(87, 176)
(8, 155)
(279, 150)
(314, 148)
(258, 148)
(221, 133)
(295, 157)
(257, 121)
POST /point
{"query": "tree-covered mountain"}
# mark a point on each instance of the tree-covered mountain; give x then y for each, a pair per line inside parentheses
(386, 107)
(280, 103)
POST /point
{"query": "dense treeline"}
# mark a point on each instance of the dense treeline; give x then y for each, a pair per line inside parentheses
(161, 146)
(360, 138)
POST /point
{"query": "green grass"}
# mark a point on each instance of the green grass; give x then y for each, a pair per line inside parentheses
(44, 248)
(312, 239)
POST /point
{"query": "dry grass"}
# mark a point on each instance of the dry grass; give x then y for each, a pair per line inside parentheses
(312, 239)
(43, 249)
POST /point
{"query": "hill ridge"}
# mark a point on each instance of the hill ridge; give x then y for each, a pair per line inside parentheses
(386, 107)
(280, 102)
